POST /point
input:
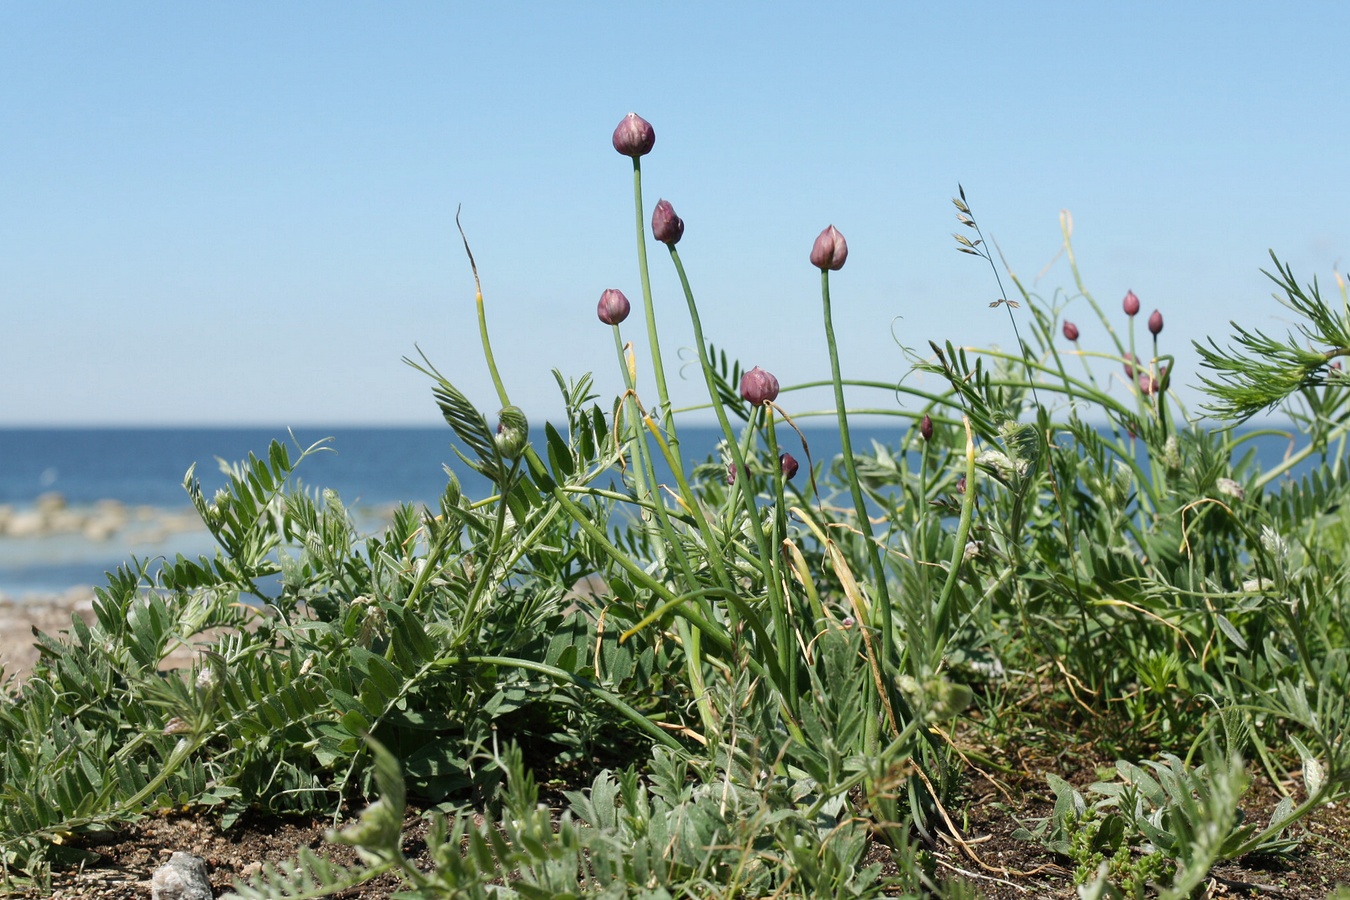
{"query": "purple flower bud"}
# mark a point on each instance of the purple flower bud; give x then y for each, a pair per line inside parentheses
(635, 136)
(613, 307)
(926, 428)
(1155, 323)
(759, 387)
(830, 250)
(1130, 304)
(788, 465)
(1150, 385)
(731, 473)
(961, 485)
(1129, 364)
(667, 227)
(1070, 331)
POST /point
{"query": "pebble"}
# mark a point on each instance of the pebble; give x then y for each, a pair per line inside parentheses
(183, 877)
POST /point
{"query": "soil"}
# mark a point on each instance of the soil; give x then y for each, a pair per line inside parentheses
(1001, 867)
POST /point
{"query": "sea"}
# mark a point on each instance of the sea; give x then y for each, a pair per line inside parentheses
(136, 476)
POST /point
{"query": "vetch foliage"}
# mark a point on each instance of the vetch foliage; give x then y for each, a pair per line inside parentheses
(748, 685)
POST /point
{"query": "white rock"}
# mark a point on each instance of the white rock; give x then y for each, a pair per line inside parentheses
(183, 877)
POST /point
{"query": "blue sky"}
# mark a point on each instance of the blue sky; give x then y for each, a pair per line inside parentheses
(244, 212)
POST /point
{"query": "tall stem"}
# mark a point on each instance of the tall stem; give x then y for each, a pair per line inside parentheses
(667, 421)
(882, 608)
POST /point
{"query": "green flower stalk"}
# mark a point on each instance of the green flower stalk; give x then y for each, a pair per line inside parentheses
(634, 137)
(828, 254)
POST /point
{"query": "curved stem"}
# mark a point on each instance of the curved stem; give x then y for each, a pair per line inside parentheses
(745, 487)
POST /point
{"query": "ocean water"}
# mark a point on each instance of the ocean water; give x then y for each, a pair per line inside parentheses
(142, 469)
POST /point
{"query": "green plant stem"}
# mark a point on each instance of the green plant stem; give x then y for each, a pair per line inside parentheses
(665, 537)
(767, 559)
(649, 309)
(882, 608)
(936, 644)
(467, 624)
(787, 650)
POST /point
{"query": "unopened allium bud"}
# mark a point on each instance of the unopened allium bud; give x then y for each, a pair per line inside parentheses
(926, 428)
(1147, 383)
(635, 136)
(513, 432)
(788, 465)
(1130, 304)
(613, 308)
(1155, 323)
(1070, 331)
(759, 387)
(830, 250)
(667, 227)
(1130, 361)
(731, 473)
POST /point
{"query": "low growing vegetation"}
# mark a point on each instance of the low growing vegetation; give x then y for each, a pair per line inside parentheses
(758, 674)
